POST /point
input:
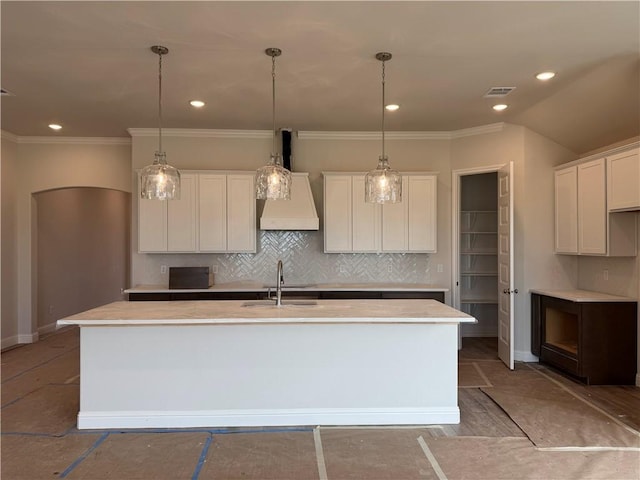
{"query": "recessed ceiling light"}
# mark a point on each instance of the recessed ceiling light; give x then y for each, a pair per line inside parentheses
(55, 126)
(197, 103)
(500, 107)
(545, 75)
(392, 107)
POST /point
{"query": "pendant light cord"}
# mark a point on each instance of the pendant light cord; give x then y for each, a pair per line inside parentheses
(383, 155)
(160, 102)
(273, 99)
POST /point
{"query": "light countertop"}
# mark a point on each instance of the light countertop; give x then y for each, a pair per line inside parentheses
(319, 287)
(203, 312)
(582, 296)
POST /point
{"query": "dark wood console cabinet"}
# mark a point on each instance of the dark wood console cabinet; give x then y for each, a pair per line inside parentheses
(593, 341)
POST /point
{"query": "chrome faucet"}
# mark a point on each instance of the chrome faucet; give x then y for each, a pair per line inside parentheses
(279, 283)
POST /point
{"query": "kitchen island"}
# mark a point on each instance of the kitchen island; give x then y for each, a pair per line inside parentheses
(243, 363)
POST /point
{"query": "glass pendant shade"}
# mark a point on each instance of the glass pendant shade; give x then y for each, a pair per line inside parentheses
(160, 181)
(273, 181)
(383, 185)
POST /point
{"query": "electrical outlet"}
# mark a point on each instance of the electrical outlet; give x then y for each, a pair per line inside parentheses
(214, 269)
(50, 309)
(440, 268)
(343, 269)
(390, 268)
(163, 269)
(605, 274)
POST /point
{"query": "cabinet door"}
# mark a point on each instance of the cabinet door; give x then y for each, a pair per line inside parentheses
(212, 207)
(422, 213)
(241, 213)
(181, 217)
(337, 214)
(152, 225)
(623, 181)
(395, 222)
(366, 219)
(566, 210)
(592, 210)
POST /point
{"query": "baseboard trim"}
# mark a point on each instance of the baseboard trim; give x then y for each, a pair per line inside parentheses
(525, 356)
(267, 418)
(47, 329)
(18, 339)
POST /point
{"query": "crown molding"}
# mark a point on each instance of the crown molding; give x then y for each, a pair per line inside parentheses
(481, 130)
(254, 134)
(451, 135)
(602, 154)
(8, 136)
(311, 135)
(67, 140)
(200, 133)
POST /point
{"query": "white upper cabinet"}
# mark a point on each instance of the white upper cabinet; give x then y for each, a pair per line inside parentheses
(354, 226)
(365, 219)
(566, 218)
(338, 220)
(215, 213)
(623, 181)
(152, 225)
(212, 207)
(583, 223)
(241, 213)
(592, 208)
(181, 217)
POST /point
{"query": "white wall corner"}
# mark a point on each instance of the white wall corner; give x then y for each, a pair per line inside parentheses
(525, 356)
(638, 379)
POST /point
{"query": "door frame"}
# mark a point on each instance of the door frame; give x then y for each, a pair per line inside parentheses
(456, 176)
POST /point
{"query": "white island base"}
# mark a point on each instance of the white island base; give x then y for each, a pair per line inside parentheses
(218, 364)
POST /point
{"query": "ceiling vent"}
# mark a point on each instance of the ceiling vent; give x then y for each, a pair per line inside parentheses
(495, 92)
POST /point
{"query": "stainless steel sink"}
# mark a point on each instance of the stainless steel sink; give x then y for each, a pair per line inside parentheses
(285, 303)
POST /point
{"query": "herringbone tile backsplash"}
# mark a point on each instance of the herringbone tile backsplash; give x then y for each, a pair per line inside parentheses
(305, 262)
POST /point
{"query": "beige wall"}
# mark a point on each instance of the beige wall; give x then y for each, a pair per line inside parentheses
(102, 163)
(9, 242)
(82, 249)
(533, 158)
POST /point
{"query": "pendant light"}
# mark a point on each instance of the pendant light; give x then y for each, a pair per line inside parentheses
(383, 185)
(160, 181)
(273, 181)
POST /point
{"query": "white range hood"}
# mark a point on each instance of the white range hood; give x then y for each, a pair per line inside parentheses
(298, 213)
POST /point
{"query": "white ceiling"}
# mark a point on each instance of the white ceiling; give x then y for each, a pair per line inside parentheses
(87, 65)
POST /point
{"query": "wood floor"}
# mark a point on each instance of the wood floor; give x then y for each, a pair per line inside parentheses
(528, 423)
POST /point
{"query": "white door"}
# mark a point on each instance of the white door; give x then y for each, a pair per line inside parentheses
(506, 291)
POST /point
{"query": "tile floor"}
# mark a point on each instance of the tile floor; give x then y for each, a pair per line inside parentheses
(527, 423)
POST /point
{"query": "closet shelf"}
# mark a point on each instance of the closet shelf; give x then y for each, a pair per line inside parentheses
(479, 274)
(479, 252)
(471, 232)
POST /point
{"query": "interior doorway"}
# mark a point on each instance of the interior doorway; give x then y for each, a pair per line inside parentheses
(478, 255)
(482, 257)
(82, 252)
